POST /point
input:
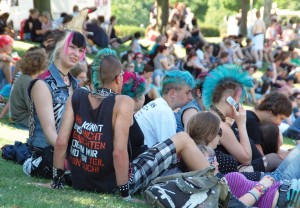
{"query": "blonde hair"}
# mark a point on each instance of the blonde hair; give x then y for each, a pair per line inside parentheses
(203, 127)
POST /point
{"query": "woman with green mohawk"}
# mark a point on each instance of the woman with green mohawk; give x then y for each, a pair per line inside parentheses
(222, 84)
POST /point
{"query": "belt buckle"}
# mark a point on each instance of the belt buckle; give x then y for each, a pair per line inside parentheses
(285, 185)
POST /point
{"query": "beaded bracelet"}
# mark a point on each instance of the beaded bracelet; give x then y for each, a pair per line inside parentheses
(252, 192)
(124, 190)
(261, 188)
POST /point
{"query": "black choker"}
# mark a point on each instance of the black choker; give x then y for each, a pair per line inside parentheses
(63, 73)
(216, 110)
(102, 93)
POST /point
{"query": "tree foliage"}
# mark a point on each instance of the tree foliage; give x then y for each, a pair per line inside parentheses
(198, 7)
(132, 12)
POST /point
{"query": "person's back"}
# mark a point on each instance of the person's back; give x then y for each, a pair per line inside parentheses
(258, 27)
(157, 61)
(92, 144)
(151, 117)
(19, 101)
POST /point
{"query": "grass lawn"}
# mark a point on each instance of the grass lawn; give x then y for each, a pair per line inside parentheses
(18, 191)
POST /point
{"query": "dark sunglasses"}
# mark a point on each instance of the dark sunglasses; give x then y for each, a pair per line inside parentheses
(121, 74)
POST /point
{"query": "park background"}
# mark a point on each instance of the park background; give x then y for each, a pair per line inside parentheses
(18, 190)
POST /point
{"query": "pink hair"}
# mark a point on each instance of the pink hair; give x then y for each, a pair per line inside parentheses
(5, 40)
(132, 75)
(136, 54)
(69, 40)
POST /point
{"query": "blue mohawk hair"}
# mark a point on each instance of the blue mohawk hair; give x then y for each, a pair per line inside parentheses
(222, 73)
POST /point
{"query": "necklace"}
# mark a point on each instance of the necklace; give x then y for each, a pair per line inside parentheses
(216, 110)
(65, 78)
(102, 93)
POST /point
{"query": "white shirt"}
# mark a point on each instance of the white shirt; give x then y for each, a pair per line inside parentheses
(157, 121)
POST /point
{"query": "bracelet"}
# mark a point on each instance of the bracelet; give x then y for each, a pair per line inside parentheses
(261, 188)
(253, 194)
(124, 190)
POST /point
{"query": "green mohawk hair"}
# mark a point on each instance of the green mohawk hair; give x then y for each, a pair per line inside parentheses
(96, 64)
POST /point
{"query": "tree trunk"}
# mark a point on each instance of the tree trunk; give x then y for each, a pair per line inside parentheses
(42, 5)
(245, 9)
(162, 15)
(267, 12)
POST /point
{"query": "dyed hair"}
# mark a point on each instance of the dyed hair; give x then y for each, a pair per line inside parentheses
(269, 132)
(176, 79)
(133, 85)
(34, 61)
(222, 79)
(276, 102)
(105, 67)
(5, 40)
(74, 37)
(203, 127)
(137, 54)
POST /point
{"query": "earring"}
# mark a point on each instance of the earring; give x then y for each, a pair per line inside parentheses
(57, 55)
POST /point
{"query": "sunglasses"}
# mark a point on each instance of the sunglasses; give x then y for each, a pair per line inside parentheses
(139, 57)
(220, 132)
(121, 73)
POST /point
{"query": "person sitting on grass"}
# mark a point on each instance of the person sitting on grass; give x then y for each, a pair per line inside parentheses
(204, 129)
(151, 90)
(134, 86)
(48, 96)
(191, 108)
(32, 65)
(94, 136)
(157, 119)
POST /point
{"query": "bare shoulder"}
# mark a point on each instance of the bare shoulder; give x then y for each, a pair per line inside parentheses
(40, 87)
(124, 100)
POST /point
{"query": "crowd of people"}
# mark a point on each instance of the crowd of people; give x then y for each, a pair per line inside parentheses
(118, 123)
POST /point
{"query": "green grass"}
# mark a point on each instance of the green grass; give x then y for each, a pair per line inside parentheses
(17, 190)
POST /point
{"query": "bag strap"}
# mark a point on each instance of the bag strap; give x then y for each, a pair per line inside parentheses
(209, 171)
(198, 183)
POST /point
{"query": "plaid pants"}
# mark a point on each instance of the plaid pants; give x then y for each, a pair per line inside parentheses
(151, 164)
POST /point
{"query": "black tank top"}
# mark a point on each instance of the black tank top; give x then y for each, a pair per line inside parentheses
(91, 144)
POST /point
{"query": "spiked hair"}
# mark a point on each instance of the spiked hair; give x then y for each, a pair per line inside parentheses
(96, 65)
(222, 78)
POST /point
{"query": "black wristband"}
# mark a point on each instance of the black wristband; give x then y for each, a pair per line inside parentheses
(124, 190)
(57, 172)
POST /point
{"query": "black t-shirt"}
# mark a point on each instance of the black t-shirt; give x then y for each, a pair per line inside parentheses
(36, 25)
(136, 138)
(90, 149)
(252, 125)
(99, 37)
(26, 25)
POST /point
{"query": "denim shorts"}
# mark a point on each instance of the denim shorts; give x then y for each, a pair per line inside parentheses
(151, 164)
